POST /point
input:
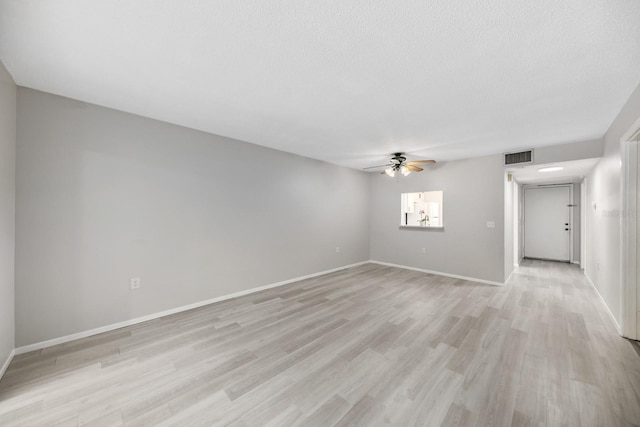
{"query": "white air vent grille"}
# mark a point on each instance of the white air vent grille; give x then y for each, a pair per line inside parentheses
(518, 158)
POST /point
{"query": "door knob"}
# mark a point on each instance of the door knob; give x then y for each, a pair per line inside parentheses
(566, 223)
(566, 229)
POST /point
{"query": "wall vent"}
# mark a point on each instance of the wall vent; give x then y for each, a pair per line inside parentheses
(518, 158)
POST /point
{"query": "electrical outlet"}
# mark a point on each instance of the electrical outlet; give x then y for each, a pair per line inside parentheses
(136, 282)
(424, 250)
(337, 248)
(491, 224)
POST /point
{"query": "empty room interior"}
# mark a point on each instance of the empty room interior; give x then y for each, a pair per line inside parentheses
(319, 213)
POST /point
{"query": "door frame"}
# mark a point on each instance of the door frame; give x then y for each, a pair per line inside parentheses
(628, 229)
(524, 204)
(583, 224)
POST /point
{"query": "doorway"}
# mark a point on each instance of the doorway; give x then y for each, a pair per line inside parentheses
(547, 222)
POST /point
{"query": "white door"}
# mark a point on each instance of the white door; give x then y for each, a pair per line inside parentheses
(547, 224)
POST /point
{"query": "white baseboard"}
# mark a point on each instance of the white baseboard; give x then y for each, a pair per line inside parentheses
(113, 326)
(604, 303)
(509, 278)
(7, 362)
(439, 273)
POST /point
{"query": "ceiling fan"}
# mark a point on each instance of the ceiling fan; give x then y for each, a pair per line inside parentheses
(398, 163)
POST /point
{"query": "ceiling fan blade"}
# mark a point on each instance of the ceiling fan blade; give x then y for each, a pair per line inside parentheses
(421, 161)
(379, 166)
(414, 168)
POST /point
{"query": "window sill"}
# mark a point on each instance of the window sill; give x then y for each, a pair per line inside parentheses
(417, 227)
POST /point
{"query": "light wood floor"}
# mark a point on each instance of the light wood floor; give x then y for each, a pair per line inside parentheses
(368, 346)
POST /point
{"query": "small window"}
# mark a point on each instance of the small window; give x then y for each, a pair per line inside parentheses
(423, 209)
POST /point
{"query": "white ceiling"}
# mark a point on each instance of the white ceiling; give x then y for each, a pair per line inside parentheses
(573, 171)
(346, 82)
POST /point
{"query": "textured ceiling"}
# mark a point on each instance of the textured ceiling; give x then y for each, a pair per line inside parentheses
(345, 82)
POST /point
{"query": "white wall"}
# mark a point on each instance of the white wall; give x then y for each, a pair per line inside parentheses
(510, 203)
(473, 194)
(520, 226)
(103, 196)
(7, 212)
(603, 225)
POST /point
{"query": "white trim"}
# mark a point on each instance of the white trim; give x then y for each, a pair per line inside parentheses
(575, 262)
(508, 278)
(7, 362)
(515, 212)
(628, 230)
(583, 224)
(439, 273)
(113, 326)
(571, 236)
(604, 303)
(520, 224)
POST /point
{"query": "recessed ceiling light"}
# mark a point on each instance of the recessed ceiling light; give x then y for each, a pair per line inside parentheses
(551, 169)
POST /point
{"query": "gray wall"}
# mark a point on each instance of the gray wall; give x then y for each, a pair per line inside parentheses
(103, 196)
(473, 194)
(603, 229)
(591, 149)
(7, 211)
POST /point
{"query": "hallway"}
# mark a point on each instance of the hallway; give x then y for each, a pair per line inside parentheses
(575, 359)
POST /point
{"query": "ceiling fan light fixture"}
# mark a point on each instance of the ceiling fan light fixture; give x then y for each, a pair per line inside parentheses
(398, 163)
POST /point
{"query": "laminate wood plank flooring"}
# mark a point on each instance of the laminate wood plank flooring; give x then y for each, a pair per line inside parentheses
(367, 346)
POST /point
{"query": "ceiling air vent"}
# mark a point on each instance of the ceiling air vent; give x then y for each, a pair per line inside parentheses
(518, 158)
